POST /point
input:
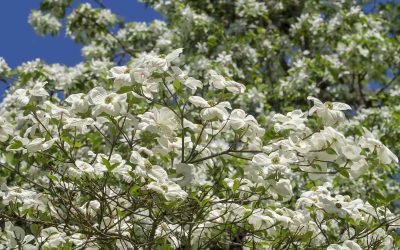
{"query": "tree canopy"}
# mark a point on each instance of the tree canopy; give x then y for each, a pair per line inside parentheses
(232, 124)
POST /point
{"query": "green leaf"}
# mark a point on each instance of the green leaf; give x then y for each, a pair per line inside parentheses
(113, 166)
(392, 197)
(35, 230)
(15, 145)
(52, 177)
(345, 173)
(107, 164)
(120, 213)
(341, 170)
(177, 85)
(212, 41)
(331, 151)
(204, 202)
(9, 157)
(125, 89)
(307, 236)
(236, 185)
(133, 190)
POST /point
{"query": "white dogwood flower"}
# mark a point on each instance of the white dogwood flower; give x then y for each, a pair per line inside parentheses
(370, 142)
(24, 95)
(291, 121)
(144, 168)
(121, 76)
(169, 189)
(188, 81)
(210, 109)
(77, 124)
(24, 144)
(219, 82)
(159, 121)
(330, 112)
(79, 102)
(6, 130)
(107, 102)
(239, 119)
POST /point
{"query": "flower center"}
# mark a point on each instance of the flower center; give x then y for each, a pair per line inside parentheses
(164, 187)
(148, 165)
(328, 105)
(211, 102)
(108, 99)
(158, 126)
(275, 160)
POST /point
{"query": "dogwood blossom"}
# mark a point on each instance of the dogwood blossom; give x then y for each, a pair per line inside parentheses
(330, 112)
(144, 168)
(109, 103)
(6, 130)
(210, 109)
(79, 102)
(24, 95)
(217, 81)
(160, 121)
(165, 153)
(385, 155)
(170, 190)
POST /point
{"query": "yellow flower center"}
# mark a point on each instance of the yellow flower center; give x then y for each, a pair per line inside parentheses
(164, 187)
(108, 99)
(275, 160)
(328, 105)
(148, 165)
(158, 126)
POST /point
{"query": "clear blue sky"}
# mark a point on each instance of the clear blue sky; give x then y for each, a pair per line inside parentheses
(19, 43)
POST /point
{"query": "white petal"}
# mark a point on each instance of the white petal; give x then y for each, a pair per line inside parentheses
(340, 106)
(198, 101)
(173, 55)
(97, 95)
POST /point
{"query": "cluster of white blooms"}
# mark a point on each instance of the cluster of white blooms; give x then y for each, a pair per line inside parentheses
(250, 8)
(93, 51)
(242, 141)
(153, 160)
(3, 66)
(84, 22)
(44, 23)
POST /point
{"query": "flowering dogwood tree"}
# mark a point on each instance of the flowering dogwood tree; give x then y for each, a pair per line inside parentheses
(235, 125)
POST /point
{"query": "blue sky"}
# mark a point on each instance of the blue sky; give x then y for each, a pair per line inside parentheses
(19, 43)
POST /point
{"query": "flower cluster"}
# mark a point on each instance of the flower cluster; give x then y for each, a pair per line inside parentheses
(155, 158)
(44, 24)
(275, 128)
